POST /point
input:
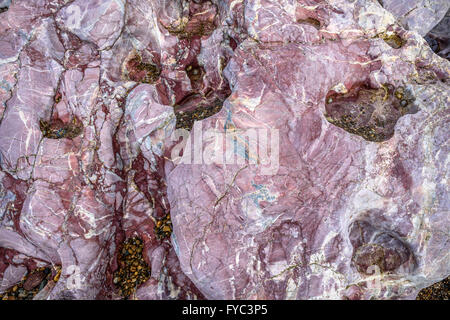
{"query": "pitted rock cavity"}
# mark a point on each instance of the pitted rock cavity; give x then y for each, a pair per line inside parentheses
(377, 248)
(57, 129)
(369, 113)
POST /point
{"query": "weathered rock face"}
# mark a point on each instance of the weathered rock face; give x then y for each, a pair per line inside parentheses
(417, 15)
(319, 169)
(290, 235)
(439, 39)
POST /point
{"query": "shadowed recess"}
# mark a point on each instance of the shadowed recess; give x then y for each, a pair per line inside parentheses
(369, 113)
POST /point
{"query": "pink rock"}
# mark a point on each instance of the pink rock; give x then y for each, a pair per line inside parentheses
(248, 235)
(417, 15)
(322, 177)
(87, 20)
(11, 276)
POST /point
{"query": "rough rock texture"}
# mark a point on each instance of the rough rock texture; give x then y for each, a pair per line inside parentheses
(352, 204)
(417, 15)
(439, 38)
(438, 291)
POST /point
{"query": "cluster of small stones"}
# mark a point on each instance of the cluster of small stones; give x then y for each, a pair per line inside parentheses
(185, 119)
(32, 283)
(347, 122)
(56, 129)
(133, 270)
(437, 291)
(163, 227)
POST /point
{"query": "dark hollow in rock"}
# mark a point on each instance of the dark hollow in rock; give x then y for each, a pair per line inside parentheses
(4, 5)
(57, 129)
(133, 270)
(393, 40)
(311, 21)
(140, 71)
(385, 258)
(433, 43)
(377, 248)
(195, 72)
(369, 113)
(185, 119)
(35, 278)
(439, 37)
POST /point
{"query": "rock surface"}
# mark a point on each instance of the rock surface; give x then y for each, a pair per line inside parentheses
(323, 176)
(439, 38)
(417, 15)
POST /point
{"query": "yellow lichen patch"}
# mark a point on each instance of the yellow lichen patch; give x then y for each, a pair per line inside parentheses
(393, 40)
(178, 26)
(347, 123)
(58, 273)
(399, 93)
(133, 270)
